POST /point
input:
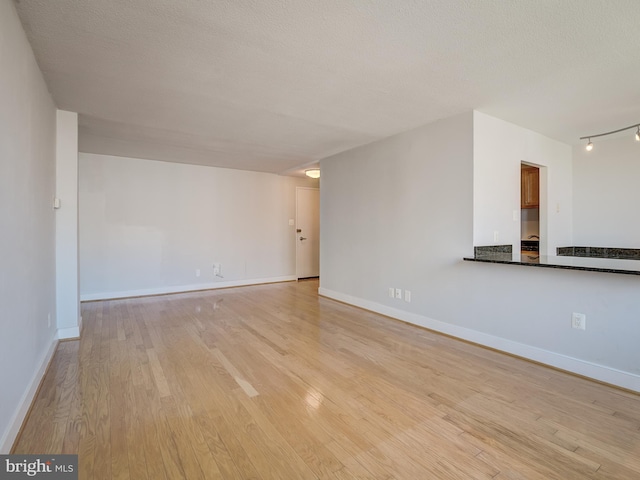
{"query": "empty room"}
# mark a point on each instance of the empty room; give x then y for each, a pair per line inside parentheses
(319, 240)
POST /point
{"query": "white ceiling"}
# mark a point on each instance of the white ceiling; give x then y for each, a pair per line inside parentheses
(274, 85)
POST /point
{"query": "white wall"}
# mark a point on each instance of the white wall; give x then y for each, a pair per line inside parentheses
(606, 193)
(499, 147)
(400, 213)
(67, 269)
(27, 230)
(147, 226)
(397, 208)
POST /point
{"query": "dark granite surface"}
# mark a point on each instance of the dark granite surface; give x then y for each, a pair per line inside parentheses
(491, 249)
(600, 252)
(590, 264)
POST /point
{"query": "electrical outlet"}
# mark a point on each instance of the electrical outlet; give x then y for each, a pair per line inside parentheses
(407, 296)
(49, 319)
(217, 270)
(399, 293)
(579, 321)
(392, 292)
(496, 236)
(197, 272)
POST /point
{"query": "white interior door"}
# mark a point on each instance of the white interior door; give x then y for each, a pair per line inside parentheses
(307, 232)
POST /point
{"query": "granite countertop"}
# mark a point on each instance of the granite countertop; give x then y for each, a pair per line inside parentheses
(600, 252)
(590, 264)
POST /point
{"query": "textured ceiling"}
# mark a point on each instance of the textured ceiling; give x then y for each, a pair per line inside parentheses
(275, 85)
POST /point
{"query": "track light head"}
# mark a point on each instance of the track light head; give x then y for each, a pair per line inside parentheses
(638, 134)
(589, 146)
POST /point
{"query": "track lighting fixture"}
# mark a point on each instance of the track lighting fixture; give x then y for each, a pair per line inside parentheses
(588, 138)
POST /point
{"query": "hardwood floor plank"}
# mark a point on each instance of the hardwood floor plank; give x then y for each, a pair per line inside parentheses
(118, 414)
(194, 460)
(146, 435)
(135, 433)
(158, 373)
(352, 467)
(237, 376)
(274, 382)
(304, 462)
(227, 462)
(102, 450)
(238, 450)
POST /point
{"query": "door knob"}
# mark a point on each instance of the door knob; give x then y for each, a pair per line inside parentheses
(303, 238)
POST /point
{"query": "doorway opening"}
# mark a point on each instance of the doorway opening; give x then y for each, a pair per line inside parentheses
(307, 232)
(529, 209)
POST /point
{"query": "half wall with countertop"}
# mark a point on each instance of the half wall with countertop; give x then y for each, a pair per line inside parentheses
(408, 219)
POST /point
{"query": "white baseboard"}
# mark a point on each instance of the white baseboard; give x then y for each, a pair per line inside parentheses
(67, 333)
(183, 288)
(10, 435)
(595, 371)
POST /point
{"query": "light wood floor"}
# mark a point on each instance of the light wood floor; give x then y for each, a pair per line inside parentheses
(272, 381)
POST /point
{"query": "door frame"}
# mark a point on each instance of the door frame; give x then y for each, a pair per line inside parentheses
(296, 229)
(543, 211)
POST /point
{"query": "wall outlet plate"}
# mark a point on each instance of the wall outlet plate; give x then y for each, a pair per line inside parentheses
(399, 293)
(217, 270)
(579, 321)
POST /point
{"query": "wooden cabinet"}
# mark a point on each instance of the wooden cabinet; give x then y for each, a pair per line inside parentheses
(529, 187)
